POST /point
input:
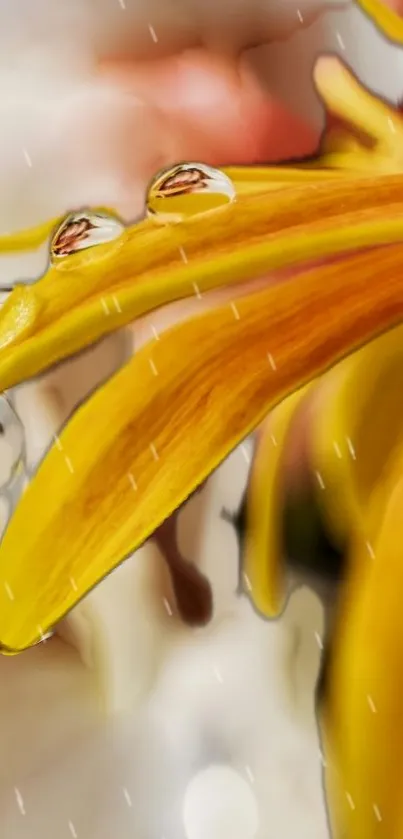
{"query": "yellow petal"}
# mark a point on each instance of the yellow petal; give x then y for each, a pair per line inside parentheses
(96, 291)
(364, 737)
(346, 97)
(214, 376)
(385, 18)
(352, 436)
(354, 433)
(263, 556)
(83, 300)
(369, 133)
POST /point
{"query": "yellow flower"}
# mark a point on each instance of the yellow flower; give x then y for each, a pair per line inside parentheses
(147, 438)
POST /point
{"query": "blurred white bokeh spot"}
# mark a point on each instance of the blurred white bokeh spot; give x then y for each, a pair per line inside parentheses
(220, 804)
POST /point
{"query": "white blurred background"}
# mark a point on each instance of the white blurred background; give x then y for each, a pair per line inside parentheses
(133, 725)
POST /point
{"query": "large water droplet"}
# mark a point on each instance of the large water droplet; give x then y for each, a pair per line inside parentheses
(11, 442)
(83, 230)
(188, 189)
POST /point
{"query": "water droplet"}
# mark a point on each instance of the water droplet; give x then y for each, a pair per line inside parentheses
(11, 442)
(188, 189)
(83, 230)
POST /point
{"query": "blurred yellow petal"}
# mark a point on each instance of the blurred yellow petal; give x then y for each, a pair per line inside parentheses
(355, 431)
(345, 96)
(263, 554)
(363, 717)
(386, 19)
(352, 435)
(123, 463)
(368, 135)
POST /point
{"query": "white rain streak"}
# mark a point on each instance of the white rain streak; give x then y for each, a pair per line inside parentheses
(271, 361)
(370, 550)
(69, 465)
(337, 450)
(154, 452)
(132, 481)
(235, 311)
(127, 796)
(153, 367)
(245, 453)
(117, 304)
(27, 158)
(167, 606)
(377, 812)
(340, 41)
(9, 591)
(319, 640)
(250, 774)
(152, 33)
(320, 480)
(351, 448)
(19, 800)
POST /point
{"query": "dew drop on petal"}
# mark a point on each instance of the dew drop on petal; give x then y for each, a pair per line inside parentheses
(188, 189)
(83, 230)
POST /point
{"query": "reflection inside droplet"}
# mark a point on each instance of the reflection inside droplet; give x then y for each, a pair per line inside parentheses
(11, 441)
(188, 189)
(83, 230)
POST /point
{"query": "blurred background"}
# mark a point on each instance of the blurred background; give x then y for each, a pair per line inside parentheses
(129, 723)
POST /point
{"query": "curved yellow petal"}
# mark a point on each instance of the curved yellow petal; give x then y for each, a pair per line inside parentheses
(263, 557)
(355, 431)
(345, 96)
(122, 464)
(386, 19)
(352, 437)
(83, 300)
(363, 719)
(86, 296)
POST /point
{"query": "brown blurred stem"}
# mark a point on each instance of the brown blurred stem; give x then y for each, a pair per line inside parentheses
(193, 594)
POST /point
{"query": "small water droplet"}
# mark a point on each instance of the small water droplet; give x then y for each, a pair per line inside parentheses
(83, 230)
(188, 189)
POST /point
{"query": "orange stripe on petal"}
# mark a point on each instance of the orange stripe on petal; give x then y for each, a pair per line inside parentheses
(168, 419)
